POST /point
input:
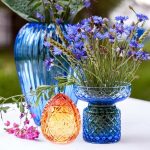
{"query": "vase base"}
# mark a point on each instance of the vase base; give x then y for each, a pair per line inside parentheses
(101, 124)
(104, 140)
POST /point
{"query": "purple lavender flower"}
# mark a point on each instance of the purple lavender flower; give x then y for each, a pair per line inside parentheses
(131, 53)
(121, 18)
(59, 7)
(87, 3)
(97, 19)
(79, 45)
(40, 16)
(57, 51)
(72, 29)
(102, 36)
(135, 44)
(47, 44)
(72, 33)
(142, 17)
(49, 63)
(80, 54)
(120, 28)
(141, 55)
(59, 21)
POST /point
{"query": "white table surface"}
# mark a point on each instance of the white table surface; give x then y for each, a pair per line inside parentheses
(135, 132)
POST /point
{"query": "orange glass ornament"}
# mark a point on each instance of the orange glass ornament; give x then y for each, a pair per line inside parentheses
(60, 122)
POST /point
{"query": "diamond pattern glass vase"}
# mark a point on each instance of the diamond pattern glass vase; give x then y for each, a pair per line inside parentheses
(102, 119)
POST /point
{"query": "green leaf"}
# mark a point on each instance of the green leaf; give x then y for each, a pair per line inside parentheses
(36, 5)
(38, 99)
(4, 109)
(21, 107)
(45, 96)
(21, 7)
(51, 92)
(18, 104)
(61, 88)
(31, 2)
(14, 99)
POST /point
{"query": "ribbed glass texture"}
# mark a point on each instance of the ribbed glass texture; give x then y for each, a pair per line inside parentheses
(30, 55)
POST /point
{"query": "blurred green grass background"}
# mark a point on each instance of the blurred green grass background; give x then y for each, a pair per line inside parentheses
(9, 84)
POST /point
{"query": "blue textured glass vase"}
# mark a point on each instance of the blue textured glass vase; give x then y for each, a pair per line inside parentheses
(102, 119)
(30, 55)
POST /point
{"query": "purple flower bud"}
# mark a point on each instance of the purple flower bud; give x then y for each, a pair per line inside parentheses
(135, 44)
(142, 17)
(57, 51)
(121, 18)
(58, 7)
(47, 44)
(59, 21)
(87, 3)
(40, 16)
(49, 63)
(141, 55)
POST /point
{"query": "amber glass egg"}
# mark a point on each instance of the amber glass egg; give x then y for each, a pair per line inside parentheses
(60, 122)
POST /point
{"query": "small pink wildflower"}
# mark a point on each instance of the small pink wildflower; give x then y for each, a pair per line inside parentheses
(24, 130)
(26, 122)
(7, 123)
(10, 130)
(15, 125)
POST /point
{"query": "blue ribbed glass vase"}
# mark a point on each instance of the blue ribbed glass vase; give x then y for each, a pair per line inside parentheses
(30, 55)
(102, 119)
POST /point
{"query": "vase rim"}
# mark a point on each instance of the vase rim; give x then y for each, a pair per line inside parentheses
(125, 84)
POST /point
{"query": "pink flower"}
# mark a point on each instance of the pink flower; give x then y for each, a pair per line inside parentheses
(23, 131)
(7, 123)
(15, 125)
(26, 122)
(10, 130)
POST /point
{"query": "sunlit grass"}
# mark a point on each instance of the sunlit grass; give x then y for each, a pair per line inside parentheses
(9, 84)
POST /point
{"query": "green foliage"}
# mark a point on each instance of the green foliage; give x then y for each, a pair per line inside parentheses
(20, 7)
(27, 9)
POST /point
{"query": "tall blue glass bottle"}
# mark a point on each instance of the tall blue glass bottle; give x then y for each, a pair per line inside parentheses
(30, 55)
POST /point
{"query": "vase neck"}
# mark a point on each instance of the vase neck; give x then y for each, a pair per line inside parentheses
(100, 105)
(101, 108)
